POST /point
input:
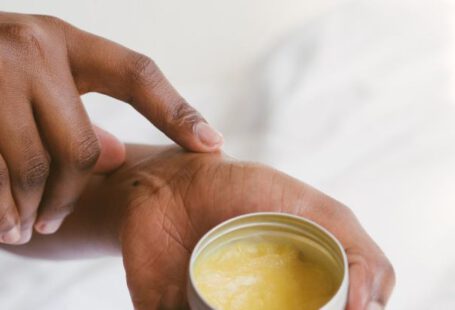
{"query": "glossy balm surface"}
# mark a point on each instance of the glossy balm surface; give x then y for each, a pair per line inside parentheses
(262, 274)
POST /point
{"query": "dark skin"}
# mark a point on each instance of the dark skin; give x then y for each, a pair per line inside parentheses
(48, 146)
(154, 209)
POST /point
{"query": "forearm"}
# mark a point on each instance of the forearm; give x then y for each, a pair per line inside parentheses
(92, 229)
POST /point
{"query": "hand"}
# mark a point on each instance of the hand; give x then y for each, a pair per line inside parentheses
(47, 145)
(170, 198)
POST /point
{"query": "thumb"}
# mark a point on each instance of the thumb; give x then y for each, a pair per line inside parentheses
(112, 152)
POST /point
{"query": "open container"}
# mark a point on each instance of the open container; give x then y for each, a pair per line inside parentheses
(313, 240)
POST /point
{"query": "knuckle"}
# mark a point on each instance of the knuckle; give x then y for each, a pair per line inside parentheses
(345, 212)
(334, 210)
(387, 270)
(34, 172)
(50, 19)
(27, 35)
(87, 151)
(7, 221)
(143, 71)
(181, 113)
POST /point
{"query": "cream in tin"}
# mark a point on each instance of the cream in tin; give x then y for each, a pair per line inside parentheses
(268, 261)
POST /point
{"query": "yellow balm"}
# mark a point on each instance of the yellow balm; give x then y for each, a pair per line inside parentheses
(263, 273)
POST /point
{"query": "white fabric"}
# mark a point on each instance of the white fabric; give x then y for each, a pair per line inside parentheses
(359, 104)
(364, 111)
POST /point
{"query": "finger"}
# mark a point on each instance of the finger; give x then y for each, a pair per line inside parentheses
(73, 146)
(26, 158)
(109, 68)
(383, 284)
(359, 286)
(112, 154)
(9, 217)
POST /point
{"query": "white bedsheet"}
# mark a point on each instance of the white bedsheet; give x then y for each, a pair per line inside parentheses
(360, 104)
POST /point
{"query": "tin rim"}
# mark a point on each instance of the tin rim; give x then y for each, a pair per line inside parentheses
(202, 243)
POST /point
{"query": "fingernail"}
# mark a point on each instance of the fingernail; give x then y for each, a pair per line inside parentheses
(12, 236)
(208, 135)
(47, 228)
(375, 306)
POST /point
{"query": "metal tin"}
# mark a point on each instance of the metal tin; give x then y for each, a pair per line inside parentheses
(274, 224)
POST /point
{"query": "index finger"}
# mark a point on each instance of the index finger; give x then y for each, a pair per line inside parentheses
(100, 65)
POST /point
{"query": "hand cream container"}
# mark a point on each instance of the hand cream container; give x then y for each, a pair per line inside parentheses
(268, 261)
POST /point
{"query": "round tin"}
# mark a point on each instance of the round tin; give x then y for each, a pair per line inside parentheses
(294, 228)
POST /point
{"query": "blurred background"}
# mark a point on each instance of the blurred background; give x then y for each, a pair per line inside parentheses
(353, 97)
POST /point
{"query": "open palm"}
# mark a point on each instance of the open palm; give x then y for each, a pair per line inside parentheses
(173, 197)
